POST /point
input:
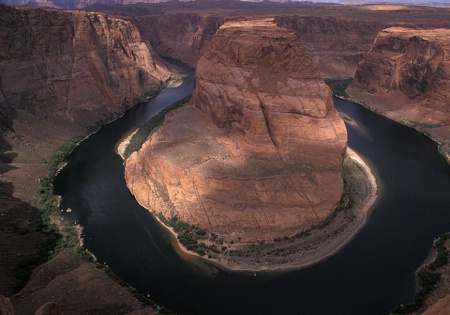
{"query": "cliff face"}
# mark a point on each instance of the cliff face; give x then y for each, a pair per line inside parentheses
(414, 62)
(266, 87)
(182, 36)
(406, 76)
(59, 71)
(336, 45)
(259, 153)
(74, 66)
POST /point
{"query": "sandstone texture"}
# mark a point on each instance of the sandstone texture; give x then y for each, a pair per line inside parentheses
(414, 62)
(259, 153)
(69, 285)
(182, 36)
(60, 72)
(335, 44)
(70, 4)
(75, 66)
(406, 76)
(336, 37)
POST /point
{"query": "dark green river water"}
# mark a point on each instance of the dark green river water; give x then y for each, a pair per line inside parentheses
(371, 275)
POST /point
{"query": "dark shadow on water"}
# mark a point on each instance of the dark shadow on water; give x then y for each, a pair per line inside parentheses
(371, 275)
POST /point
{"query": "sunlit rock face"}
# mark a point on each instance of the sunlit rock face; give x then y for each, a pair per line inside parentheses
(414, 62)
(258, 152)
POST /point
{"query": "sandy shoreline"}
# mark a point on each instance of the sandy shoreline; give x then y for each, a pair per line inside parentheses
(321, 243)
(326, 245)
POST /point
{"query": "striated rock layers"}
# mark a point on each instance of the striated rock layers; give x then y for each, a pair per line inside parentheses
(406, 75)
(414, 62)
(258, 154)
(59, 72)
(75, 66)
(182, 36)
(335, 45)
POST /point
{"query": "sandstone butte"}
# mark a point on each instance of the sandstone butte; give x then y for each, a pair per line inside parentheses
(258, 153)
(406, 76)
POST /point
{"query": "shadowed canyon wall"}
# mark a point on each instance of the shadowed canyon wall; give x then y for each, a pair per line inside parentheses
(414, 62)
(258, 154)
(74, 66)
(60, 72)
(335, 45)
(406, 76)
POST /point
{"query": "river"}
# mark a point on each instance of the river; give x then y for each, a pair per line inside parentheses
(371, 275)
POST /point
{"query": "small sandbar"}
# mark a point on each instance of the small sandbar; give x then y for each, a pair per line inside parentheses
(123, 143)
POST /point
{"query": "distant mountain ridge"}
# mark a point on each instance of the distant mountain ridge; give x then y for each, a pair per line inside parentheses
(80, 4)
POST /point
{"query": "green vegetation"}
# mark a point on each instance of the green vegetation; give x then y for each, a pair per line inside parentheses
(61, 234)
(6, 122)
(48, 202)
(428, 276)
(151, 93)
(188, 235)
(58, 234)
(142, 134)
(347, 201)
(338, 87)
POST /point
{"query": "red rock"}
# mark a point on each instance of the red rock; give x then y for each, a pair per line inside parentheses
(259, 153)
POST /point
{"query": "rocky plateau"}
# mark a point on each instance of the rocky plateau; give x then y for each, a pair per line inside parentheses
(258, 154)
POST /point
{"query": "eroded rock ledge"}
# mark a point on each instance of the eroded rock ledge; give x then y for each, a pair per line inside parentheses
(258, 154)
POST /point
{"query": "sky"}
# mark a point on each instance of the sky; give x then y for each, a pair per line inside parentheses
(385, 1)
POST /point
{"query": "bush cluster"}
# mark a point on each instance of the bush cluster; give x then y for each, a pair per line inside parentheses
(428, 277)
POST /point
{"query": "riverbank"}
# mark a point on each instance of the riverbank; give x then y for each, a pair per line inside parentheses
(307, 247)
(433, 276)
(396, 106)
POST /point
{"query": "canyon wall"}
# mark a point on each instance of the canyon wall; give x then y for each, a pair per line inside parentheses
(71, 4)
(414, 62)
(258, 154)
(335, 45)
(182, 36)
(406, 76)
(74, 66)
(60, 71)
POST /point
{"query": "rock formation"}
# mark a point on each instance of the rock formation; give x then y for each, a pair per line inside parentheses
(182, 36)
(414, 62)
(6, 307)
(69, 285)
(336, 37)
(406, 75)
(60, 71)
(75, 66)
(335, 44)
(258, 154)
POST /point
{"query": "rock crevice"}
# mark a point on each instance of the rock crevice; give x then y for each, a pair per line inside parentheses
(258, 152)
